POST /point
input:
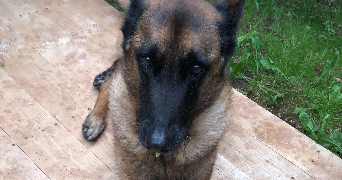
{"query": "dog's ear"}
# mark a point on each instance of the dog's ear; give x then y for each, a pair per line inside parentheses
(232, 8)
(231, 13)
(135, 11)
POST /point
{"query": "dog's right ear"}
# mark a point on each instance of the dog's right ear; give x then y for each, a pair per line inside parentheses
(231, 13)
(135, 11)
(231, 8)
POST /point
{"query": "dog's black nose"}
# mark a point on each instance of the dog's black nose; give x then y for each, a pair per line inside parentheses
(158, 141)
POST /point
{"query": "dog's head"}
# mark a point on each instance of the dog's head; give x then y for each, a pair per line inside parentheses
(176, 55)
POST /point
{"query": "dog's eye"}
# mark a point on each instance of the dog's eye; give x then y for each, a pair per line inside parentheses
(146, 61)
(196, 69)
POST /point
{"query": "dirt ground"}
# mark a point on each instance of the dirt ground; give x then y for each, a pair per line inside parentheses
(283, 110)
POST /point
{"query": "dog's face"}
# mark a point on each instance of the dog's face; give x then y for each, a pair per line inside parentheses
(176, 56)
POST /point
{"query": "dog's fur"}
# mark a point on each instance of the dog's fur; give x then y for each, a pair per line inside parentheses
(170, 93)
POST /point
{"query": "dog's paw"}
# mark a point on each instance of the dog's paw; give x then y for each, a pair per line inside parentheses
(98, 81)
(103, 77)
(93, 127)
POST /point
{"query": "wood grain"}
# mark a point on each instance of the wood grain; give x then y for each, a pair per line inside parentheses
(52, 147)
(282, 138)
(254, 158)
(14, 163)
(40, 63)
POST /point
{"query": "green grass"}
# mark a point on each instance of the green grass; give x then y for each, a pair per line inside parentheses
(289, 57)
(288, 60)
(116, 5)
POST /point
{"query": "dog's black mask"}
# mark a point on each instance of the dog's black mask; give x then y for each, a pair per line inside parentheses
(168, 93)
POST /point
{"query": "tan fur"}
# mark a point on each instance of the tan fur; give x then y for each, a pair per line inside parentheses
(96, 119)
(149, 30)
(118, 98)
(194, 159)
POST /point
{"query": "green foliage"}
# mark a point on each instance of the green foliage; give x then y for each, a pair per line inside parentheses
(333, 142)
(288, 57)
(328, 27)
(268, 64)
(329, 66)
(253, 83)
(244, 38)
(234, 69)
(256, 46)
(116, 5)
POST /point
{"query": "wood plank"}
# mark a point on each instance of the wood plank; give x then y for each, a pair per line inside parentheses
(254, 158)
(65, 100)
(288, 142)
(224, 170)
(14, 163)
(77, 37)
(76, 45)
(43, 81)
(77, 41)
(57, 152)
(124, 4)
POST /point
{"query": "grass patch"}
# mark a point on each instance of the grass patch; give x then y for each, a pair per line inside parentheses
(288, 61)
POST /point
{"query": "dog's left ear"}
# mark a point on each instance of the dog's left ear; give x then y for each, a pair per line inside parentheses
(135, 11)
(231, 13)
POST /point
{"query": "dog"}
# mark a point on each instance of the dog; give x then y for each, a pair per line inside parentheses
(169, 96)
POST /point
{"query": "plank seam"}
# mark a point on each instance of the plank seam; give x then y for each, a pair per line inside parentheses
(95, 155)
(42, 106)
(50, 62)
(274, 150)
(25, 153)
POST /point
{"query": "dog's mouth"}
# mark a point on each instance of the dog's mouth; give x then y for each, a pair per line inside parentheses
(162, 147)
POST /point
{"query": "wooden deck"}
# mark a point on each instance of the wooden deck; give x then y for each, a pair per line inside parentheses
(49, 53)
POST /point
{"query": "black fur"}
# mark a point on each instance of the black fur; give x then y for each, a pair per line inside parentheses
(228, 26)
(103, 77)
(135, 11)
(167, 97)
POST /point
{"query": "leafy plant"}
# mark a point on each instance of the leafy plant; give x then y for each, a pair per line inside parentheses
(253, 83)
(316, 132)
(256, 46)
(234, 69)
(332, 141)
(243, 38)
(329, 66)
(269, 64)
(328, 27)
(288, 61)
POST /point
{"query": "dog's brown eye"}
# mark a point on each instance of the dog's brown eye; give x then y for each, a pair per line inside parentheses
(146, 60)
(196, 69)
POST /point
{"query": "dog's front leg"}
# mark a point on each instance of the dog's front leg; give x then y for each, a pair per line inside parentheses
(96, 120)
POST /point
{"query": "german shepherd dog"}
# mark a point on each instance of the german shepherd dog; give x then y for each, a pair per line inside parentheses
(169, 96)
